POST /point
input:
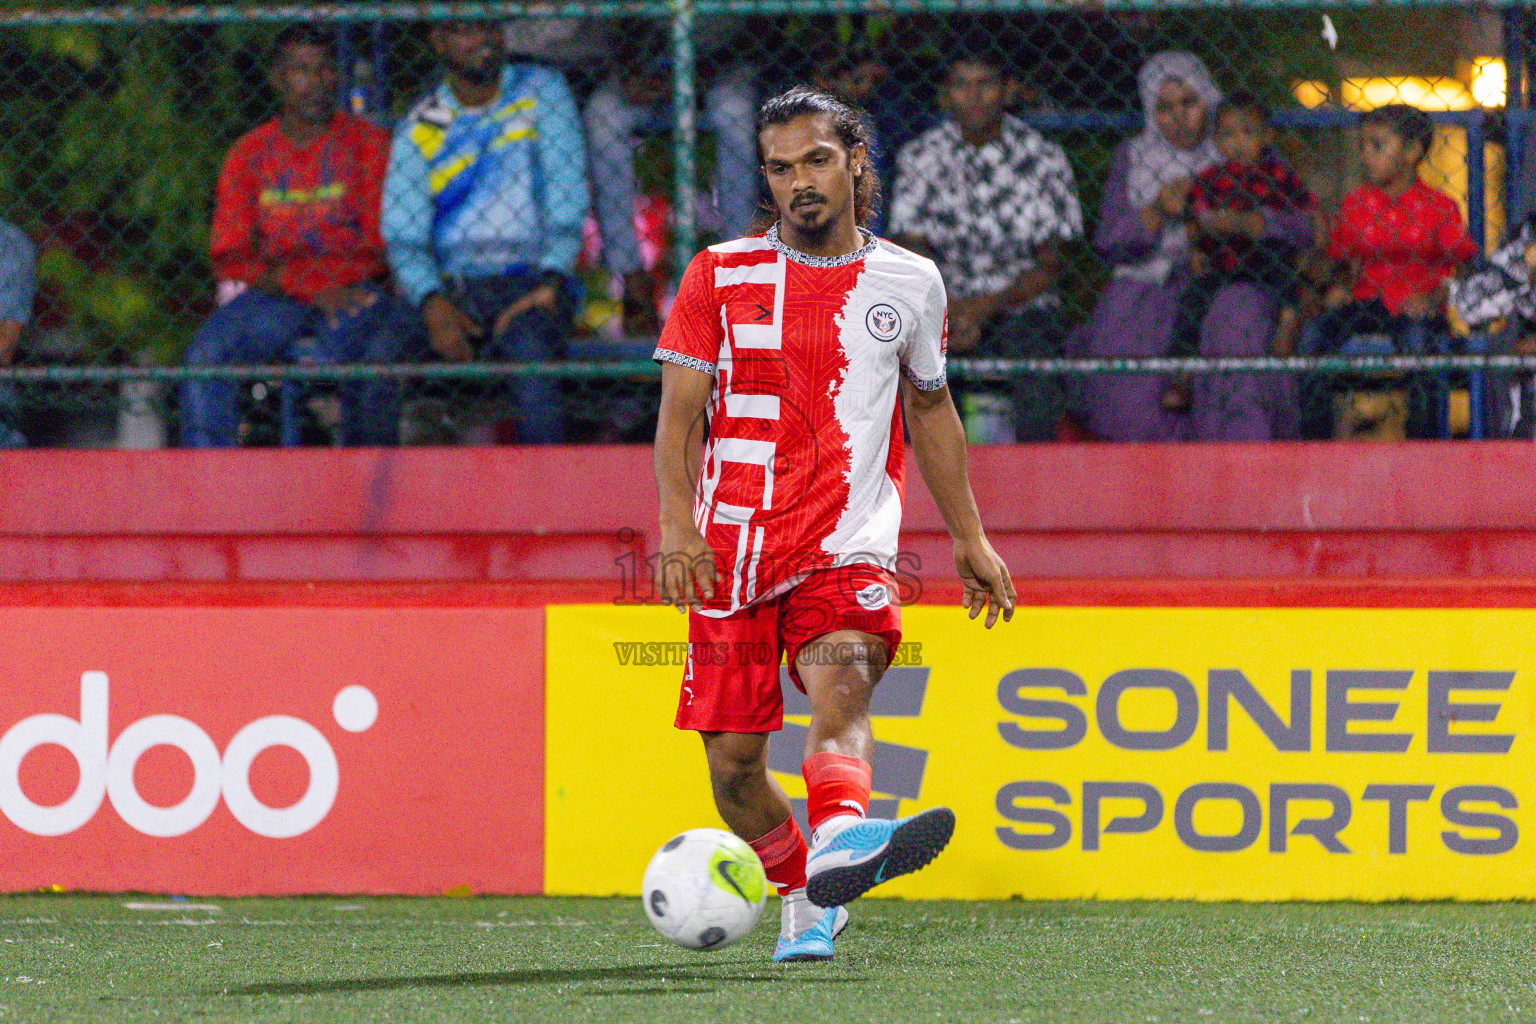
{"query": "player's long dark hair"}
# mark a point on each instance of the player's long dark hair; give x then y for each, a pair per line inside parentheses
(851, 126)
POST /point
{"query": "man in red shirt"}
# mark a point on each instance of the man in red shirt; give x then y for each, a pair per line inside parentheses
(799, 349)
(296, 236)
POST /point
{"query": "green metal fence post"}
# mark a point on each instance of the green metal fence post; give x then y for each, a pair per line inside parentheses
(685, 134)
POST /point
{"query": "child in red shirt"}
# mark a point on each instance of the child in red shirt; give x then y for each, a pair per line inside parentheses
(1400, 240)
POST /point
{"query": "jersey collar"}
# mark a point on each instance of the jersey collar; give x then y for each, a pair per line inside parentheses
(868, 247)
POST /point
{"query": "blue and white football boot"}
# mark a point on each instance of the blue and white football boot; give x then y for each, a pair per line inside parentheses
(852, 855)
(806, 931)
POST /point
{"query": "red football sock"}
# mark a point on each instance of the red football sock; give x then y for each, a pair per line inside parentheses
(836, 784)
(782, 852)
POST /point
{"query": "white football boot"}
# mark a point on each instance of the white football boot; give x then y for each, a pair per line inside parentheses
(806, 931)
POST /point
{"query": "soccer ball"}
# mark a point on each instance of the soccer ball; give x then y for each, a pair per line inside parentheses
(704, 889)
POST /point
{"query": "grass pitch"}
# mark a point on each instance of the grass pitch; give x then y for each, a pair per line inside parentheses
(108, 959)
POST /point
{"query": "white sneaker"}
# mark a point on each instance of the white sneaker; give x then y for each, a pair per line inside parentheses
(806, 931)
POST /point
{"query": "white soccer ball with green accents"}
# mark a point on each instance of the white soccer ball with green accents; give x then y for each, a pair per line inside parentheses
(704, 889)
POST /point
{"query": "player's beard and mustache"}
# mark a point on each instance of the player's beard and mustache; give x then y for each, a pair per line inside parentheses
(812, 233)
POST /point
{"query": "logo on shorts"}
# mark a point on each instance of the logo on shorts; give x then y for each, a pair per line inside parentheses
(883, 322)
(874, 597)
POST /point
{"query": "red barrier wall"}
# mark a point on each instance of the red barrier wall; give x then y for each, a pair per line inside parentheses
(1341, 511)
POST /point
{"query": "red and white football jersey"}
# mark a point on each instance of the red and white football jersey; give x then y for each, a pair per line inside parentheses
(803, 467)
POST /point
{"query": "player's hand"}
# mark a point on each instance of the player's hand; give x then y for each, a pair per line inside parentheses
(449, 329)
(338, 302)
(686, 568)
(1336, 296)
(985, 579)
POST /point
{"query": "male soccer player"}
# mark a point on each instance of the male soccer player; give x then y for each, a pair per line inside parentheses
(791, 345)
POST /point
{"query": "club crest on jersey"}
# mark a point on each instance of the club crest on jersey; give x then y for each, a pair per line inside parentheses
(883, 322)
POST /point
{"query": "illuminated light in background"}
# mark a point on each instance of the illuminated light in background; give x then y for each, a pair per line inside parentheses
(1489, 81)
(1311, 94)
(1485, 87)
(1424, 93)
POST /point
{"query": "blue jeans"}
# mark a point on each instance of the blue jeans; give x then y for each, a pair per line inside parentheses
(261, 328)
(10, 437)
(1368, 328)
(535, 336)
(730, 114)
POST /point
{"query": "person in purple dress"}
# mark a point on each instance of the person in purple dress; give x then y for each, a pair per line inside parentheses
(1142, 235)
(1253, 215)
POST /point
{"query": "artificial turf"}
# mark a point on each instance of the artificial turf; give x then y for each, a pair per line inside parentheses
(75, 958)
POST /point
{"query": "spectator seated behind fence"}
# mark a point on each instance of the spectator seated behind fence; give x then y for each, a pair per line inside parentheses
(1250, 217)
(296, 226)
(1400, 242)
(859, 76)
(18, 289)
(991, 201)
(637, 99)
(1502, 299)
(1142, 234)
(483, 208)
(1506, 290)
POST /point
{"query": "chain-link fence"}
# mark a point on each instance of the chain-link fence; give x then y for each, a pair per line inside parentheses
(221, 254)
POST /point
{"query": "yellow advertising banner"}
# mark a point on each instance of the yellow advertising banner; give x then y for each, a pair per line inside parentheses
(1254, 754)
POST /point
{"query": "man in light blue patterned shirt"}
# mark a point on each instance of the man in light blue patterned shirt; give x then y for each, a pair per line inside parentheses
(18, 287)
(483, 209)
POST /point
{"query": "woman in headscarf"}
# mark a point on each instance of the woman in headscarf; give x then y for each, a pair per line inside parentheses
(1142, 235)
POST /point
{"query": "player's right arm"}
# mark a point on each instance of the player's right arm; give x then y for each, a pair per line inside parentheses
(688, 351)
(685, 555)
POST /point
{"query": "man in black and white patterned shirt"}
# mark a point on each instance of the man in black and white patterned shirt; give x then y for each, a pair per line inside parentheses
(991, 201)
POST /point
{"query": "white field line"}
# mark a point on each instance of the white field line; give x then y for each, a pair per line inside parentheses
(173, 907)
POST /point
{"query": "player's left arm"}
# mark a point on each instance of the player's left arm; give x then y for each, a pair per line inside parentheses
(938, 442)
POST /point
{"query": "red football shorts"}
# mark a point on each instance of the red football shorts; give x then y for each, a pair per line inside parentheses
(731, 683)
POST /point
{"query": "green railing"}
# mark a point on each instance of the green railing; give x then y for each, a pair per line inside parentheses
(624, 369)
